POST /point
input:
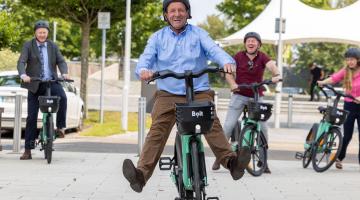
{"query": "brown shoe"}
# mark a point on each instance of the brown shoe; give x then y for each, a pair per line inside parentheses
(26, 155)
(338, 164)
(60, 133)
(239, 163)
(133, 175)
(216, 165)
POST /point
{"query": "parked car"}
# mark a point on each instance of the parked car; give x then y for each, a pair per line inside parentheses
(10, 86)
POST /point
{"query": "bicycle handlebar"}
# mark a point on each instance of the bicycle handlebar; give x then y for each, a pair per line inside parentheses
(257, 85)
(168, 73)
(51, 80)
(340, 94)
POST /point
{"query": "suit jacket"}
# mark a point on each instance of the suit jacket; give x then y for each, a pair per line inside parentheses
(29, 62)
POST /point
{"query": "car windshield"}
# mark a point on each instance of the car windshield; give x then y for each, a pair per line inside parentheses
(9, 80)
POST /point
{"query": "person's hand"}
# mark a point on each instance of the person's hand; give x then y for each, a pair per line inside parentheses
(25, 78)
(234, 88)
(66, 76)
(229, 68)
(276, 79)
(146, 74)
(321, 83)
(357, 100)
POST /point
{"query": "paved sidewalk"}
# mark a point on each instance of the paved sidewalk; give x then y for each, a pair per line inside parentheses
(98, 176)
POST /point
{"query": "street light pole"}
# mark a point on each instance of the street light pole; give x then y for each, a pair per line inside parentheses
(280, 66)
(124, 113)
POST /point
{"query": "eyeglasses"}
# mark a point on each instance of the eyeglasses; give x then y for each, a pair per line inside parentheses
(251, 64)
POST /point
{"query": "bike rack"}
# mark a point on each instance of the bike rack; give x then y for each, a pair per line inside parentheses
(17, 124)
(141, 123)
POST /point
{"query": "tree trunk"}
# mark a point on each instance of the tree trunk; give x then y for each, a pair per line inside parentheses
(85, 45)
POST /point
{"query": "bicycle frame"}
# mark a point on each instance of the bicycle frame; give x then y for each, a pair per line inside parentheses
(186, 143)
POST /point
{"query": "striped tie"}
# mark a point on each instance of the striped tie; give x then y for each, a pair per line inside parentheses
(42, 75)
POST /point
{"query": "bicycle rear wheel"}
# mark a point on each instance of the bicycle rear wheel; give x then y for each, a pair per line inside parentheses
(256, 142)
(326, 150)
(49, 139)
(198, 185)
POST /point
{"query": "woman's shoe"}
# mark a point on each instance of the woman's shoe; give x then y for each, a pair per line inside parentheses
(338, 164)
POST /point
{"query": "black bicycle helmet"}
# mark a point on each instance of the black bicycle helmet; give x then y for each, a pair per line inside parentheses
(253, 35)
(166, 3)
(41, 24)
(353, 53)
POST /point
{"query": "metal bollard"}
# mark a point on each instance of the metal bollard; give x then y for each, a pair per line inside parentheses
(290, 103)
(216, 101)
(141, 123)
(17, 124)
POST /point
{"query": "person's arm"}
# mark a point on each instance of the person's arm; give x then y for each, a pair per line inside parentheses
(230, 78)
(147, 60)
(22, 63)
(60, 61)
(271, 66)
(216, 54)
(325, 82)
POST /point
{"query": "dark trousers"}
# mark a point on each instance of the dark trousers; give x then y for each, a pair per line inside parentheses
(354, 114)
(312, 88)
(33, 110)
(163, 119)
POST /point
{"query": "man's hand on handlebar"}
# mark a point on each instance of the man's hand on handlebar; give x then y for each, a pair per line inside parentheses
(25, 78)
(65, 76)
(276, 79)
(234, 88)
(146, 75)
(229, 68)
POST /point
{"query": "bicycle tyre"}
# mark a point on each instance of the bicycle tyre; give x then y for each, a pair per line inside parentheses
(324, 148)
(50, 138)
(307, 158)
(258, 160)
(195, 164)
(178, 170)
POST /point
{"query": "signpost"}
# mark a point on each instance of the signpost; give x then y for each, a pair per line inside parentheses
(103, 23)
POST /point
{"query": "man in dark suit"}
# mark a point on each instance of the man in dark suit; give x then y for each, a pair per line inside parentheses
(40, 57)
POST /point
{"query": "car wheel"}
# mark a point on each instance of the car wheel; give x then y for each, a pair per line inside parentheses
(81, 121)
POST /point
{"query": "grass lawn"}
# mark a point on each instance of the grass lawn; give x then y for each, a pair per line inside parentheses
(111, 125)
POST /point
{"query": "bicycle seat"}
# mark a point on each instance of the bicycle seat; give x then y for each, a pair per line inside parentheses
(190, 116)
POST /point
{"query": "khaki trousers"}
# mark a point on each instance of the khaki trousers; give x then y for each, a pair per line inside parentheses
(163, 120)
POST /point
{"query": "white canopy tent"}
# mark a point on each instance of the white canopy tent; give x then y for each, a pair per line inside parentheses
(303, 24)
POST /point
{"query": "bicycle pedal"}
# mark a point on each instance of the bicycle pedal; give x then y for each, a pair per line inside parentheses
(165, 163)
(299, 155)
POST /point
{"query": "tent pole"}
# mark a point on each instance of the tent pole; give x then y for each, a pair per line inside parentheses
(280, 66)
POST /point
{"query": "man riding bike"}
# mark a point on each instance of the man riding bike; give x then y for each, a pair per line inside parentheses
(250, 66)
(179, 47)
(41, 58)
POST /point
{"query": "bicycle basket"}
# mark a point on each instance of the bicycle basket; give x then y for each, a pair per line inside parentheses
(259, 111)
(335, 116)
(188, 116)
(49, 104)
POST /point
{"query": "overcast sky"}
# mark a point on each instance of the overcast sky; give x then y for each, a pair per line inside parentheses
(202, 8)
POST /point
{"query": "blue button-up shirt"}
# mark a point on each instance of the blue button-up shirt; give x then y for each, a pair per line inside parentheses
(47, 72)
(189, 50)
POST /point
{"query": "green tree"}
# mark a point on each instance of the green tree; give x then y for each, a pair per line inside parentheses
(84, 13)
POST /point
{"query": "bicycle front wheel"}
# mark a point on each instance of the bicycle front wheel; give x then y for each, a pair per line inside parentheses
(50, 139)
(196, 178)
(257, 144)
(326, 150)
